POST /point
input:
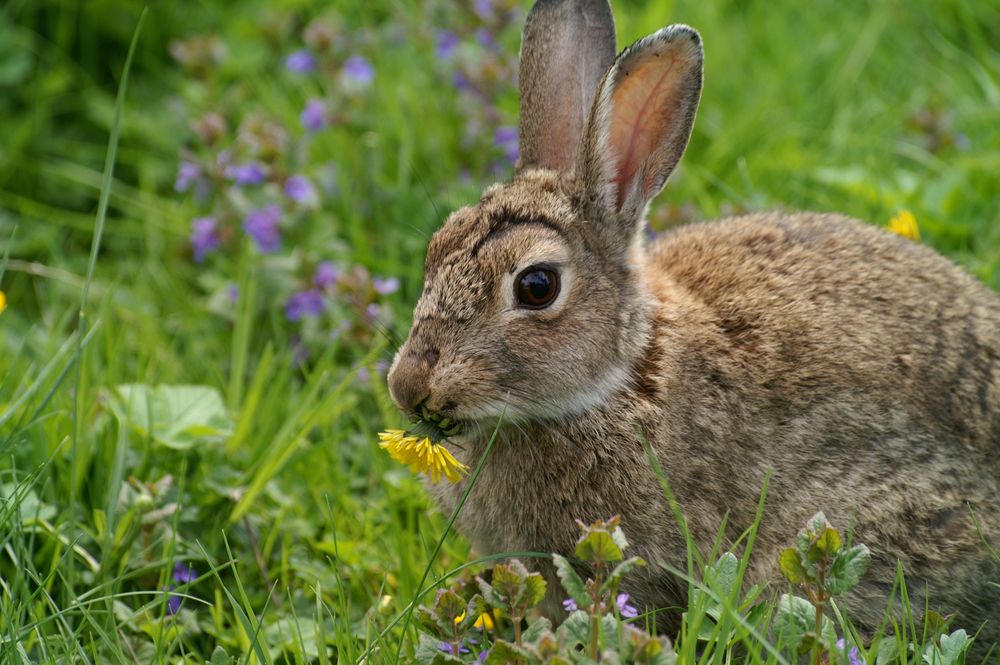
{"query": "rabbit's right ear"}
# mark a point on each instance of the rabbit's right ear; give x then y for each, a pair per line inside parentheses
(566, 49)
(639, 127)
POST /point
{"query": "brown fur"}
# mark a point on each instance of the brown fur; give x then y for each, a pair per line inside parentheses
(859, 368)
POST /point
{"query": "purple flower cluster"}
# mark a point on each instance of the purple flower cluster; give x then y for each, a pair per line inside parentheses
(188, 175)
(183, 573)
(251, 173)
(313, 117)
(853, 655)
(300, 189)
(446, 43)
(385, 285)
(505, 138)
(303, 304)
(326, 275)
(621, 602)
(258, 177)
(262, 227)
(359, 71)
(301, 62)
(204, 237)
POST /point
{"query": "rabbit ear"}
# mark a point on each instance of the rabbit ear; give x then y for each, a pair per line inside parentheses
(566, 49)
(640, 125)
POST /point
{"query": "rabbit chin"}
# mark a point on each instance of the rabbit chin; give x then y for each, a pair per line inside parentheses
(516, 407)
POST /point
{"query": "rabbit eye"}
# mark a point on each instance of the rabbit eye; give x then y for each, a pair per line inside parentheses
(536, 287)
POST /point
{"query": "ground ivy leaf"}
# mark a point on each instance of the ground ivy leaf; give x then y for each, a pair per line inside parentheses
(506, 652)
(534, 590)
(721, 577)
(794, 621)
(448, 607)
(598, 546)
(220, 657)
(619, 537)
(953, 645)
(620, 571)
(847, 569)
(537, 628)
(790, 562)
(575, 630)
(826, 544)
(571, 581)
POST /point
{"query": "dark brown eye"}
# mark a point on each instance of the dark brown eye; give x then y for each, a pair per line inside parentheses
(536, 287)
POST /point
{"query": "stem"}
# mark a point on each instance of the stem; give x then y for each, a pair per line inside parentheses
(820, 604)
(517, 630)
(595, 613)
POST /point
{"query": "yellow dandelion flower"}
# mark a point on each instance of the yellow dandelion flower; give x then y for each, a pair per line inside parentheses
(485, 621)
(422, 455)
(3, 301)
(905, 225)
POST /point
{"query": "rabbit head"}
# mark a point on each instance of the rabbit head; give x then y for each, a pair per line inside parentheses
(534, 299)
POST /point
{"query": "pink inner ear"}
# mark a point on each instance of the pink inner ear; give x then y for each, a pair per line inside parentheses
(644, 110)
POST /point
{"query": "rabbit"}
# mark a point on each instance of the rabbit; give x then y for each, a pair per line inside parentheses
(858, 368)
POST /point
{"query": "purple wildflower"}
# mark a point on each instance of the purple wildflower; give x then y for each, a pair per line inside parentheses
(461, 82)
(188, 174)
(304, 303)
(485, 38)
(173, 601)
(385, 286)
(372, 312)
(364, 376)
(626, 610)
(447, 42)
(853, 656)
(184, 573)
(506, 139)
(251, 173)
(233, 293)
(570, 605)
(314, 115)
(204, 237)
(450, 649)
(484, 655)
(326, 275)
(224, 159)
(301, 62)
(483, 9)
(262, 226)
(358, 70)
(300, 189)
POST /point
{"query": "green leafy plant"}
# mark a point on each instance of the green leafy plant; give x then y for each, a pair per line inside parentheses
(821, 566)
(454, 629)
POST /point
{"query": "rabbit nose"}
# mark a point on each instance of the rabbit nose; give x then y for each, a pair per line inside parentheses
(409, 380)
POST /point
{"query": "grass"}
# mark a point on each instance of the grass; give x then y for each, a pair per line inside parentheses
(308, 543)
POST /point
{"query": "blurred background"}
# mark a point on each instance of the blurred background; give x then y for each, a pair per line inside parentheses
(211, 420)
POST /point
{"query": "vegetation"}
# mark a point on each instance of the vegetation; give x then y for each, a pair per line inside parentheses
(205, 271)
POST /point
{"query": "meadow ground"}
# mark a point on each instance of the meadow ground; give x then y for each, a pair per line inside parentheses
(193, 346)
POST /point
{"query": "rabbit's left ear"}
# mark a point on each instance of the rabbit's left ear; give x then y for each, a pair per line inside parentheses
(640, 124)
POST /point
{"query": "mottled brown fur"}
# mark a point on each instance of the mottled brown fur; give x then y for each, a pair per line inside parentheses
(857, 367)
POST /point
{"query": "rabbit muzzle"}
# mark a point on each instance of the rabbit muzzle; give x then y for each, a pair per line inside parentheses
(409, 377)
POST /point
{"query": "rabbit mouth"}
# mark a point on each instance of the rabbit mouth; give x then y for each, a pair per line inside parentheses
(434, 425)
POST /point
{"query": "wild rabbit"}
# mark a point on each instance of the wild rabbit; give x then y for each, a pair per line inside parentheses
(860, 368)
